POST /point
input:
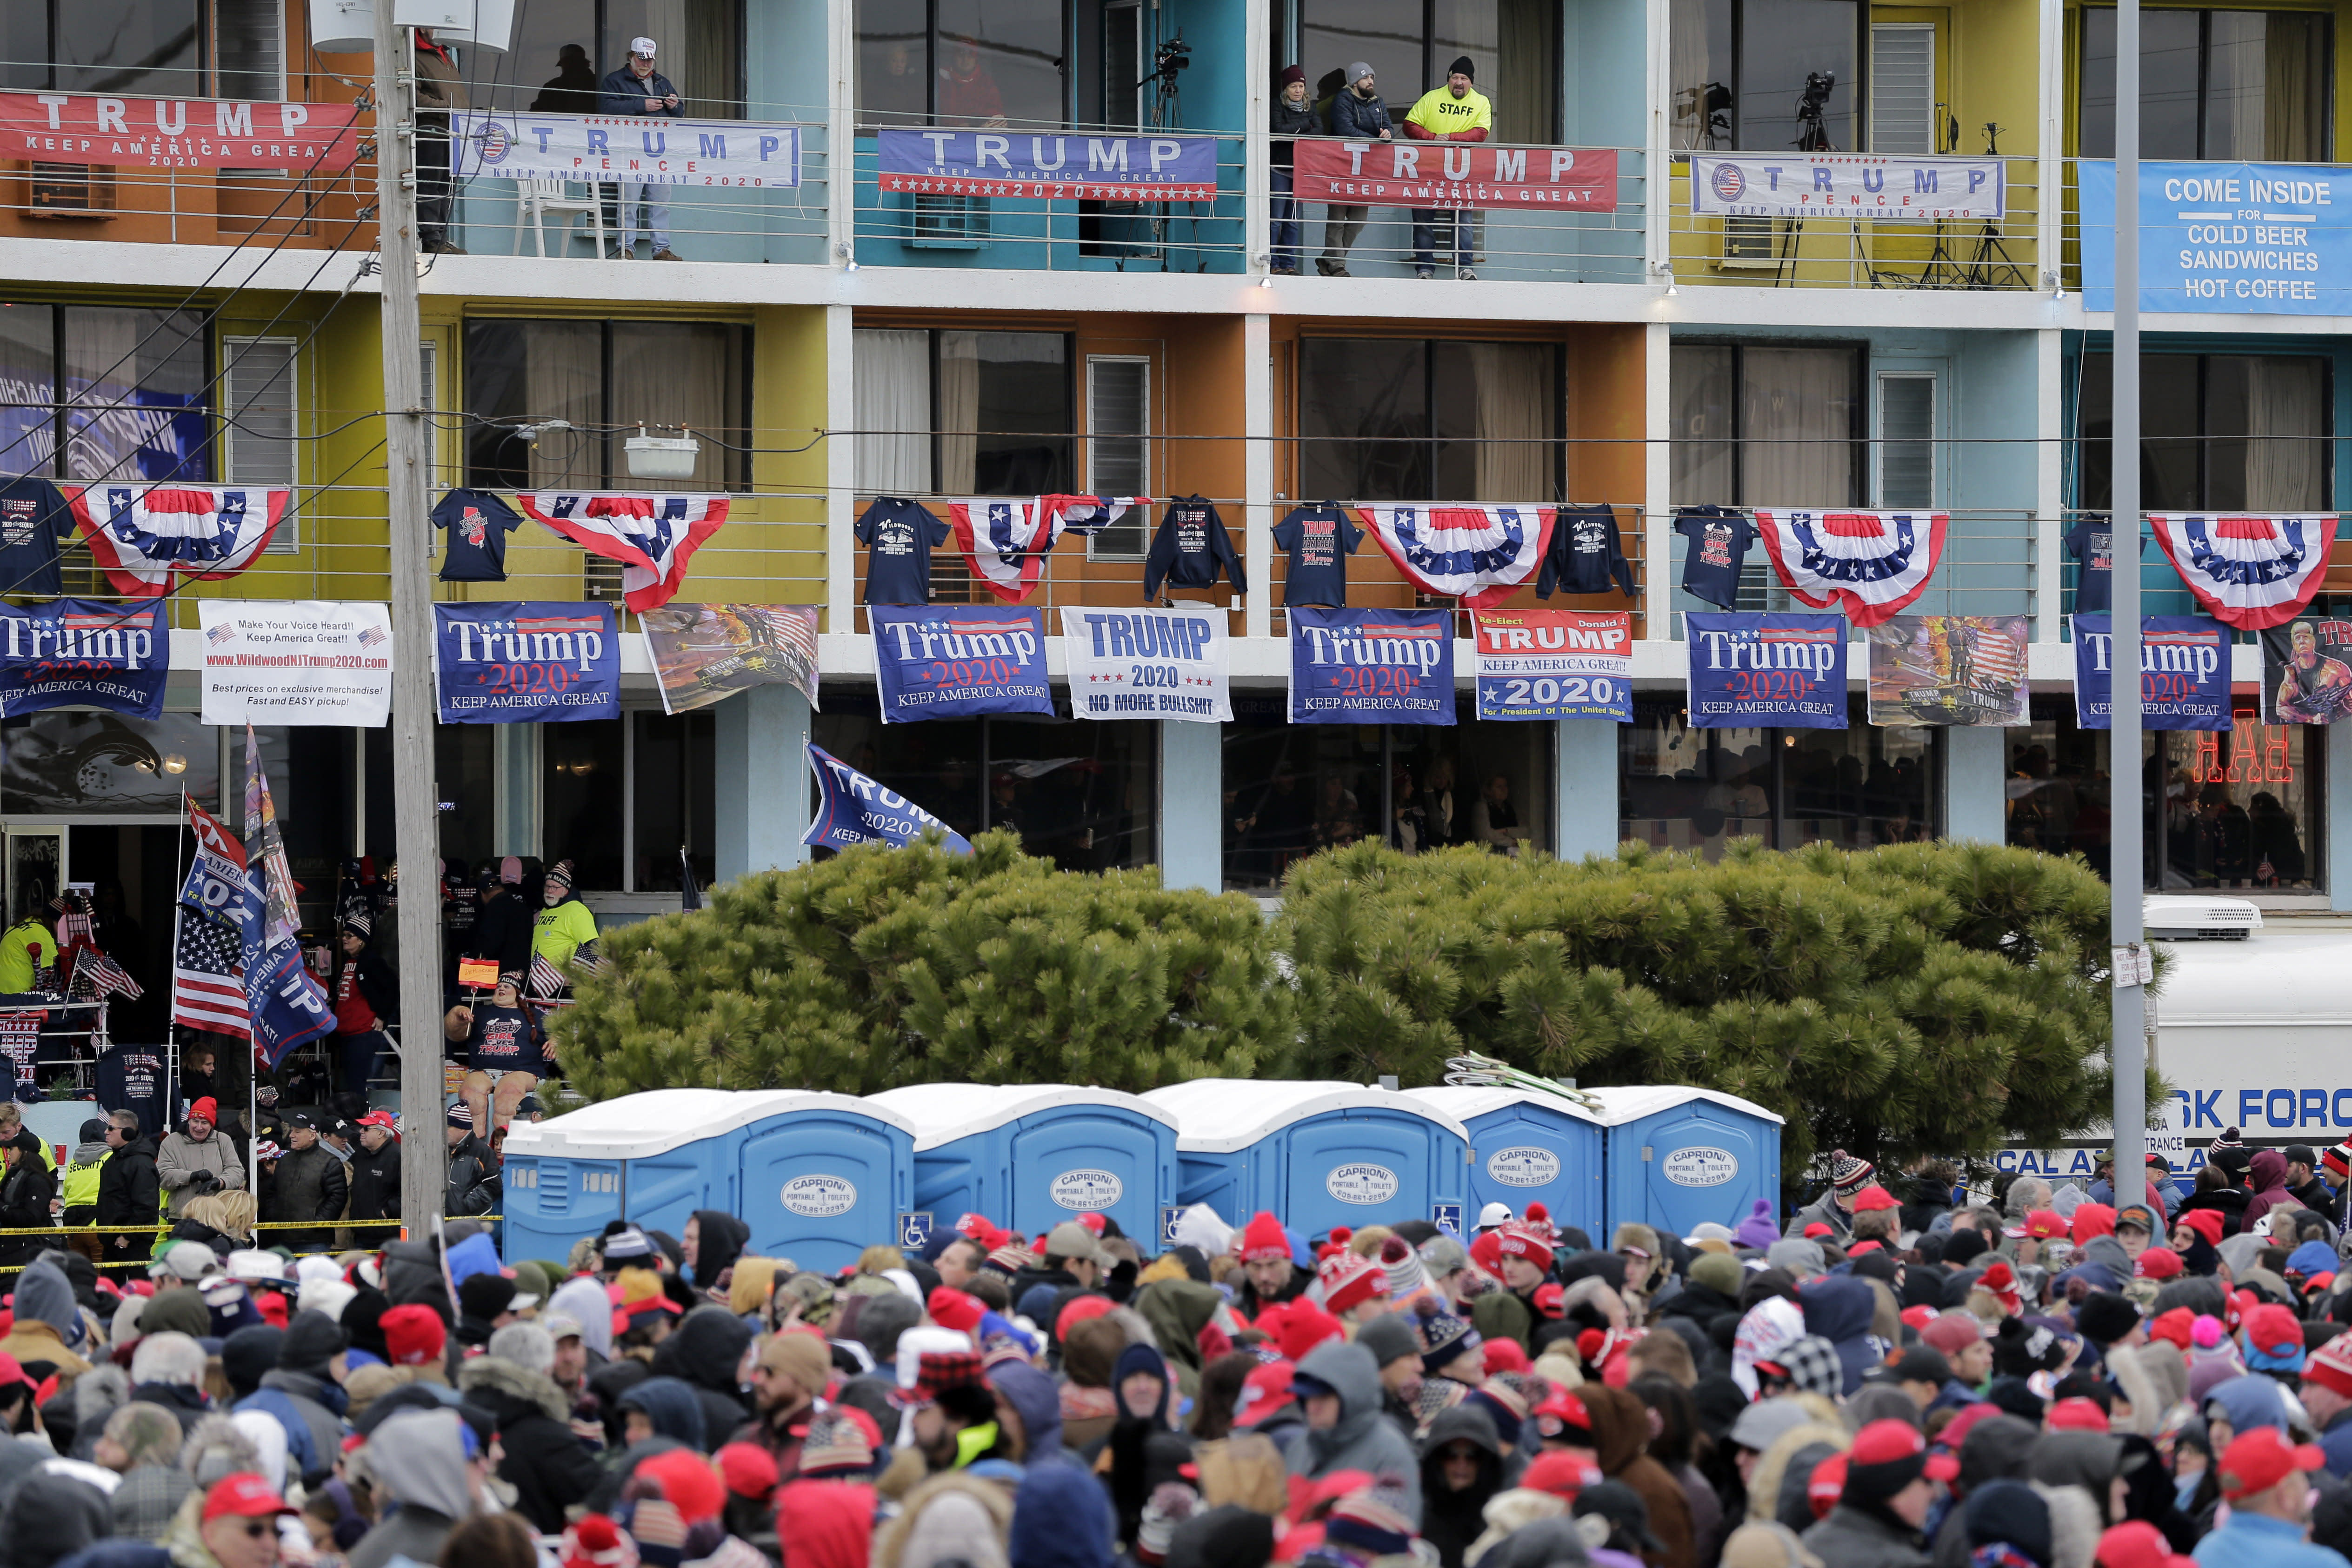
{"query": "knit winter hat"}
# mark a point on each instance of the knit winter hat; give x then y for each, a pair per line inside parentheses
(952, 1309)
(1952, 1332)
(2093, 1219)
(1999, 1282)
(2105, 1316)
(1522, 1239)
(1442, 1335)
(2206, 1223)
(1374, 1522)
(1262, 1239)
(1389, 1337)
(1849, 1173)
(413, 1335)
(1462, 67)
(2337, 1162)
(1811, 1364)
(2157, 1263)
(1349, 1281)
(1719, 1272)
(2330, 1365)
(2012, 1514)
(840, 1442)
(1403, 1266)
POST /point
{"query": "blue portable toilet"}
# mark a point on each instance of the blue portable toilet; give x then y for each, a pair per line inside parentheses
(818, 1177)
(1526, 1147)
(1032, 1156)
(1315, 1155)
(1678, 1156)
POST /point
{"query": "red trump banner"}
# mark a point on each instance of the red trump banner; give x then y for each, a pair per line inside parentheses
(177, 132)
(1453, 175)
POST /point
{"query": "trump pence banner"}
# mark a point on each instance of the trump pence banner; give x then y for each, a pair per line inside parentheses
(1848, 185)
(80, 653)
(177, 132)
(523, 663)
(1370, 667)
(296, 662)
(2184, 673)
(1461, 175)
(1049, 165)
(954, 662)
(1747, 671)
(641, 149)
(1149, 664)
(1554, 664)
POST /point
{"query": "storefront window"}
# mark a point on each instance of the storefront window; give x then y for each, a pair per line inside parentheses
(1857, 788)
(1082, 794)
(1388, 420)
(69, 764)
(958, 62)
(1292, 789)
(2250, 85)
(2218, 431)
(1513, 44)
(674, 788)
(1745, 73)
(604, 378)
(127, 405)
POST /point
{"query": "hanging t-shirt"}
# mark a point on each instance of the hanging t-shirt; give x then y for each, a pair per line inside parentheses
(136, 1077)
(20, 1040)
(1190, 548)
(900, 536)
(34, 519)
(2092, 542)
(1319, 540)
(1586, 554)
(506, 1039)
(1720, 538)
(478, 524)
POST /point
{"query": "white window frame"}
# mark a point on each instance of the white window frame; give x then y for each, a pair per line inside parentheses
(287, 539)
(1094, 541)
(1879, 378)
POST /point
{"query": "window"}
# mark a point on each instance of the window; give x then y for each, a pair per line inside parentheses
(1739, 69)
(1903, 88)
(1118, 449)
(119, 390)
(1767, 426)
(258, 414)
(579, 42)
(1389, 419)
(1907, 439)
(1514, 44)
(602, 379)
(961, 62)
(2247, 431)
(2250, 85)
(963, 414)
(1686, 788)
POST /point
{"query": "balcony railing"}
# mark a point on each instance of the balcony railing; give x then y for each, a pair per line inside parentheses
(1856, 253)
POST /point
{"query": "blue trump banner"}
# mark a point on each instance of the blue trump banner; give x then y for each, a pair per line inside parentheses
(285, 1002)
(954, 662)
(1049, 165)
(2184, 673)
(1371, 667)
(518, 663)
(84, 654)
(857, 810)
(721, 155)
(1750, 670)
(2263, 237)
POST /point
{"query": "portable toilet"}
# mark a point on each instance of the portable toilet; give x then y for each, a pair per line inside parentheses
(1032, 1156)
(1677, 1156)
(1526, 1147)
(1315, 1155)
(818, 1177)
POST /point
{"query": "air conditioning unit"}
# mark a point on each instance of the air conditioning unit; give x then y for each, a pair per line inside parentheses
(1748, 242)
(2187, 918)
(948, 223)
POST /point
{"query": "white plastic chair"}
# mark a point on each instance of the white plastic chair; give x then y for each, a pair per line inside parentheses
(541, 199)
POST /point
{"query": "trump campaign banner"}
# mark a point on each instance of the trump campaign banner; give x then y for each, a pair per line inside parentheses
(1849, 186)
(1950, 671)
(2307, 672)
(1149, 664)
(954, 662)
(296, 662)
(1747, 671)
(856, 810)
(2184, 673)
(641, 149)
(526, 663)
(1554, 664)
(80, 653)
(702, 653)
(177, 132)
(1370, 667)
(1461, 175)
(1049, 165)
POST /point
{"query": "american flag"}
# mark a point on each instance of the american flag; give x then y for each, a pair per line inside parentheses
(222, 633)
(97, 974)
(546, 980)
(372, 635)
(207, 991)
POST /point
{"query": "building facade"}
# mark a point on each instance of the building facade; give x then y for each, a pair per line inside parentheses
(836, 340)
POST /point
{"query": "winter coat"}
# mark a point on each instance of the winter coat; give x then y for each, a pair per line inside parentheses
(419, 1461)
(1996, 1448)
(179, 1158)
(1822, 1210)
(1451, 1521)
(623, 91)
(1248, 1303)
(375, 1182)
(129, 1191)
(1503, 1315)
(548, 1466)
(310, 1186)
(1840, 1311)
(1855, 1537)
(1621, 1436)
(1286, 120)
(721, 1240)
(2267, 1178)
(473, 1179)
(24, 1195)
(1363, 1439)
(703, 1353)
(502, 934)
(1359, 118)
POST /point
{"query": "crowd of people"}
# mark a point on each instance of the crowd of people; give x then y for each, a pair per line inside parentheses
(1892, 1376)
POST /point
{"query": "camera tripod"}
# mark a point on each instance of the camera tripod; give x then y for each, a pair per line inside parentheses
(1989, 265)
(1166, 112)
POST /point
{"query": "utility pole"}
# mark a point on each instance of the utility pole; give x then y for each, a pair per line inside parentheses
(2126, 805)
(408, 471)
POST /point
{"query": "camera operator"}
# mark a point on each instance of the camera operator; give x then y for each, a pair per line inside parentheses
(197, 1160)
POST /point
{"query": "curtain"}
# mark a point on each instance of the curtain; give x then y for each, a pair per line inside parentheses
(2294, 121)
(1692, 66)
(1701, 453)
(2284, 399)
(2233, 87)
(959, 406)
(1526, 94)
(564, 372)
(676, 373)
(28, 385)
(1514, 389)
(894, 394)
(1797, 427)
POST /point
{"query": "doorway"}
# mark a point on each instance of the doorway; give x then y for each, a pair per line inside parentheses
(133, 872)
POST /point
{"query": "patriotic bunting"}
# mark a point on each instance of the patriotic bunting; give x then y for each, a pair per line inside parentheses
(1005, 537)
(1871, 564)
(652, 536)
(2249, 572)
(142, 534)
(1479, 554)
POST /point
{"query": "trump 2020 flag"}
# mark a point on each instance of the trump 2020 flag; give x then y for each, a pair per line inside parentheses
(140, 535)
(2251, 573)
(518, 663)
(943, 662)
(286, 1004)
(2184, 673)
(1479, 554)
(1371, 667)
(857, 810)
(1872, 565)
(1148, 663)
(82, 653)
(1747, 671)
(652, 536)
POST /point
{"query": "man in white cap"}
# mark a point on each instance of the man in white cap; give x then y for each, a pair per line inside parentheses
(637, 88)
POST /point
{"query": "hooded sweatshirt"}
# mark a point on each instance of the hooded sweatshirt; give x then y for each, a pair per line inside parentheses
(2267, 1177)
(1037, 1403)
(1621, 1436)
(1840, 1311)
(1060, 1519)
(419, 1460)
(1451, 1521)
(584, 1302)
(1996, 1448)
(1362, 1439)
(703, 1353)
(719, 1240)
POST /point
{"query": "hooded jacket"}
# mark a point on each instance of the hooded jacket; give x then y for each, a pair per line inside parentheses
(703, 1353)
(1621, 1436)
(419, 1460)
(2267, 1177)
(584, 1302)
(309, 1185)
(375, 1181)
(1452, 1520)
(1822, 1210)
(720, 1238)
(1362, 1439)
(1840, 1311)
(45, 1316)
(1856, 1538)
(1996, 1448)
(545, 1462)
(2101, 1262)
(1036, 1402)
(1060, 1519)
(1178, 1310)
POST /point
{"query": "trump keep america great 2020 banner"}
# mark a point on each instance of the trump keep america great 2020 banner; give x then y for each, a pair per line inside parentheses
(1454, 174)
(1056, 167)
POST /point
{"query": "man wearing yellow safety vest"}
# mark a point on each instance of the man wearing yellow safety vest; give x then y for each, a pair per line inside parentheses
(564, 925)
(1457, 111)
(77, 1185)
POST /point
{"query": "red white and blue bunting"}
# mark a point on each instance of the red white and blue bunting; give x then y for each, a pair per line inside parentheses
(652, 536)
(1871, 564)
(141, 535)
(1478, 554)
(2247, 570)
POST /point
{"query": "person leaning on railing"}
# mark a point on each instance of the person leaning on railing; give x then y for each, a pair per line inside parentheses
(1358, 114)
(1293, 115)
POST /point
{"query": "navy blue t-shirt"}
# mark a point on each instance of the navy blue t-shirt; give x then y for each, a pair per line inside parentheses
(34, 519)
(900, 536)
(478, 524)
(1720, 538)
(2092, 542)
(506, 1039)
(1319, 539)
(136, 1077)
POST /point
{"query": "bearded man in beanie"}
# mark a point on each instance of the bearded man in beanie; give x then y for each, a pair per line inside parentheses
(1457, 111)
(788, 1379)
(1890, 1485)
(1269, 1275)
(1849, 1174)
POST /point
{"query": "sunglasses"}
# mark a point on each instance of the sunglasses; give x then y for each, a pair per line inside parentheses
(255, 1528)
